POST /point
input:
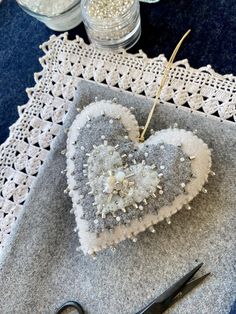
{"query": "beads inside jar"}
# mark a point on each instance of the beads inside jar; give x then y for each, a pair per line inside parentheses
(59, 15)
(112, 24)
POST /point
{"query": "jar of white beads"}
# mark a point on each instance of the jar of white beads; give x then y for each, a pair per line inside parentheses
(59, 15)
(112, 24)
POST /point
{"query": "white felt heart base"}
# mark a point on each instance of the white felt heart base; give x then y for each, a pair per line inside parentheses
(191, 145)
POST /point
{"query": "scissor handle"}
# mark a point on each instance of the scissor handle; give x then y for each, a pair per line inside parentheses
(72, 304)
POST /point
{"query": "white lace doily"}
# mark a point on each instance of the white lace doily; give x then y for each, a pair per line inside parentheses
(64, 64)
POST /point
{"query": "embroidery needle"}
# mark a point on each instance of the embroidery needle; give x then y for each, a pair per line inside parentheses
(163, 81)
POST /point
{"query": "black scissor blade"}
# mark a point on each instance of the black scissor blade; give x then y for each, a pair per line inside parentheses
(178, 286)
(186, 289)
(192, 284)
(165, 300)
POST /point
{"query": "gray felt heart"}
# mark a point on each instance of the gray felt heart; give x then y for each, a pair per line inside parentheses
(120, 187)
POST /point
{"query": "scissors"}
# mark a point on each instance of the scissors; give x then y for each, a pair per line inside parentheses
(162, 302)
(70, 304)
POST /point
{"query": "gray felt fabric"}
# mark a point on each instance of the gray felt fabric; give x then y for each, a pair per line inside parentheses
(41, 268)
(175, 172)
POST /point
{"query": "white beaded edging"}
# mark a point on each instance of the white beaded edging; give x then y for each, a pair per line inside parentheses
(64, 64)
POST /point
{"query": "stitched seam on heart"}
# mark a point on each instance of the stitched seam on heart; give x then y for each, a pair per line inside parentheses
(95, 248)
(157, 156)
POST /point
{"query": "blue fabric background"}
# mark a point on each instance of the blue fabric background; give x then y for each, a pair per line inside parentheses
(233, 309)
(212, 41)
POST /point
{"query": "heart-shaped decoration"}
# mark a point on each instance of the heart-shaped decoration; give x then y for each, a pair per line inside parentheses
(121, 187)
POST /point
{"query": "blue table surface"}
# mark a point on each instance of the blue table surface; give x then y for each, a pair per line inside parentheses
(212, 41)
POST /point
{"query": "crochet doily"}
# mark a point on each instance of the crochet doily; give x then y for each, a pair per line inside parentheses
(64, 64)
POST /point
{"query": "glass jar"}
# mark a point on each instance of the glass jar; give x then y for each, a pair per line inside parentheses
(58, 15)
(112, 24)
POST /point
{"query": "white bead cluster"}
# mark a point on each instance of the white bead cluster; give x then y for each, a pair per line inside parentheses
(116, 185)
